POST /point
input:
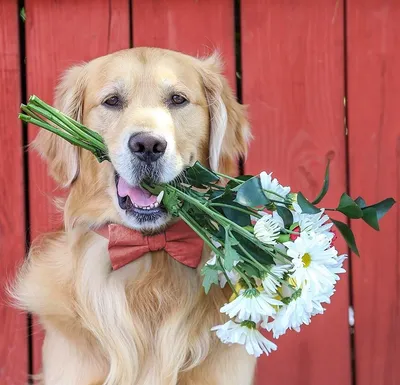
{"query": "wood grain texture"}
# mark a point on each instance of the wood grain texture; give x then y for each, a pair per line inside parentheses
(374, 149)
(13, 329)
(194, 27)
(293, 82)
(59, 34)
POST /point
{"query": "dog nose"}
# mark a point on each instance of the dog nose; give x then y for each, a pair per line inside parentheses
(147, 147)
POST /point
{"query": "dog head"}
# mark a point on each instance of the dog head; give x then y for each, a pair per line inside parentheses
(158, 111)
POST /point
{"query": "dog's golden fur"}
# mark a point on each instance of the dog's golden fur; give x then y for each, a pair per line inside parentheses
(149, 322)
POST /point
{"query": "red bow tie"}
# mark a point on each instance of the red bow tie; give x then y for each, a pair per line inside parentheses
(126, 245)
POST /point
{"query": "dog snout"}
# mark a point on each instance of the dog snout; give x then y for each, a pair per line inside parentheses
(147, 147)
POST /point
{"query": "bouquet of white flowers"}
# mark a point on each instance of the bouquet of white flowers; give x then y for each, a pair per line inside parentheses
(274, 248)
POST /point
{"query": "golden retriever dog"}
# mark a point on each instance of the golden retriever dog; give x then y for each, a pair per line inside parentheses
(148, 322)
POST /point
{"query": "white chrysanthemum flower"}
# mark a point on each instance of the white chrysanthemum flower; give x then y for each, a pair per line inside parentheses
(315, 224)
(291, 316)
(251, 305)
(270, 281)
(232, 275)
(246, 334)
(336, 267)
(317, 301)
(311, 257)
(267, 230)
(278, 219)
(276, 191)
(308, 223)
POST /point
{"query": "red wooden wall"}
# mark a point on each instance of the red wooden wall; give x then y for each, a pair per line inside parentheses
(13, 324)
(294, 63)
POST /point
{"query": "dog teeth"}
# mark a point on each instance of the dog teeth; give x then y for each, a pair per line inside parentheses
(149, 207)
(160, 197)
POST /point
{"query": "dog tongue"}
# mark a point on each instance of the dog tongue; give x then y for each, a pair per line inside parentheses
(138, 195)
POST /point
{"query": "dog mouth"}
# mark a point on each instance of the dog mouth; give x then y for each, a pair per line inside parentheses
(138, 202)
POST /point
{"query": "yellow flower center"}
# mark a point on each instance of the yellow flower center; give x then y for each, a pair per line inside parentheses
(306, 258)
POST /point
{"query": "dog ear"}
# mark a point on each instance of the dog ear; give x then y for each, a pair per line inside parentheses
(61, 156)
(229, 128)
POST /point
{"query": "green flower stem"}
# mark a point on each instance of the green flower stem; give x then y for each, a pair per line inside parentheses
(276, 194)
(34, 100)
(285, 256)
(58, 119)
(49, 127)
(84, 128)
(250, 212)
(268, 271)
(214, 214)
(193, 224)
(252, 259)
(155, 190)
(28, 112)
(290, 231)
(40, 113)
(244, 277)
(221, 219)
(195, 227)
(226, 276)
(229, 177)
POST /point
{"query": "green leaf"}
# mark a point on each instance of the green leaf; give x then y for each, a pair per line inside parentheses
(360, 202)
(347, 235)
(349, 207)
(325, 186)
(230, 254)
(251, 194)
(250, 270)
(305, 205)
(286, 215)
(210, 274)
(200, 176)
(233, 184)
(240, 218)
(216, 195)
(370, 217)
(383, 207)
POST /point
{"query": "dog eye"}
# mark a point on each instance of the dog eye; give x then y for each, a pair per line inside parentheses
(178, 99)
(112, 101)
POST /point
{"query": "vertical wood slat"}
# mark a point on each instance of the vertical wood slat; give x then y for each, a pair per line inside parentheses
(193, 27)
(13, 331)
(374, 148)
(293, 82)
(58, 35)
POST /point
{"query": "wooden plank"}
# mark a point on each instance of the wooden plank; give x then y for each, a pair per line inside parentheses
(60, 34)
(194, 27)
(374, 149)
(293, 82)
(13, 334)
